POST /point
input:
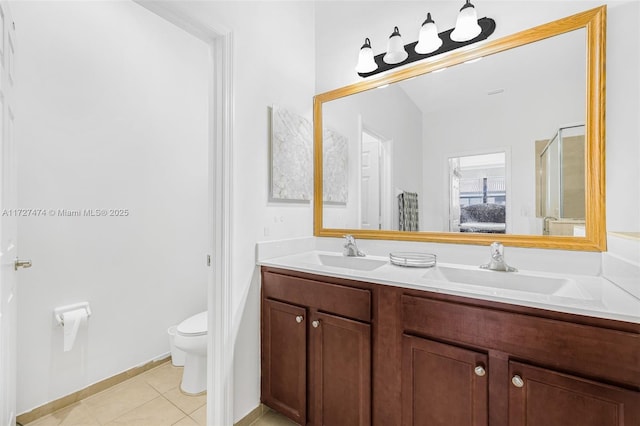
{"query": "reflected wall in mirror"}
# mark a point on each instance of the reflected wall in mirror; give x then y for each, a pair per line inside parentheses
(410, 132)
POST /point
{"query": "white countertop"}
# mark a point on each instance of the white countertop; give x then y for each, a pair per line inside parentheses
(592, 296)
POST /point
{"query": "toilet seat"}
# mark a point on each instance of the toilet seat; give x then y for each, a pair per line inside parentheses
(195, 325)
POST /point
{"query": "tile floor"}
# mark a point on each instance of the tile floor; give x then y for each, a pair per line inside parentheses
(152, 398)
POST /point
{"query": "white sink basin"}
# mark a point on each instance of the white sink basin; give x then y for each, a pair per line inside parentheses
(348, 262)
(512, 281)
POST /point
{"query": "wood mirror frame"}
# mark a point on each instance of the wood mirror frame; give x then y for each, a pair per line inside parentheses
(594, 21)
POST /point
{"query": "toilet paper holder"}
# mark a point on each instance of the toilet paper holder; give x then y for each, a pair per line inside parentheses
(59, 312)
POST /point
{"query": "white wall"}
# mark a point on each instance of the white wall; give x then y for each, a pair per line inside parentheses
(111, 113)
(273, 63)
(342, 26)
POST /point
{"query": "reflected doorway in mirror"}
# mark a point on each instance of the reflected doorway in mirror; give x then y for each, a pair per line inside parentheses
(375, 180)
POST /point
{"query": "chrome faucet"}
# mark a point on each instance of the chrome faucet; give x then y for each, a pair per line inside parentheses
(497, 262)
(350, 247)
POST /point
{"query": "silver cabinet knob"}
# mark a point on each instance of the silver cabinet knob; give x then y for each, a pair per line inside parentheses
(315, 323)
(480, 371)
(299, 319)
(517, 381)
(21, 264)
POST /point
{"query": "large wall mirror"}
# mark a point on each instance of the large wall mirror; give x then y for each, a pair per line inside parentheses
(501, 141)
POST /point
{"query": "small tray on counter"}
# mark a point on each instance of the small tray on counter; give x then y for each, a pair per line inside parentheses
(413, 259)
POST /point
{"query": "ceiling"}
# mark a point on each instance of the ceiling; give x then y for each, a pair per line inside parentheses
(546, 65)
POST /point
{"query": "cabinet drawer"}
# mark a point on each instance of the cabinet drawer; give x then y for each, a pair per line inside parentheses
(349, 302)
(591, 351)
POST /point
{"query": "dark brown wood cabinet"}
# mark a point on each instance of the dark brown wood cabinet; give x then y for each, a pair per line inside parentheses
(442, 384)
(316, 351)
(284, 359)
(366, 354)
(340, 376)
(540, 370)
(538, 396)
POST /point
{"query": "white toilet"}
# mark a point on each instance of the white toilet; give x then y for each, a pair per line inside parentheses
(191, 337)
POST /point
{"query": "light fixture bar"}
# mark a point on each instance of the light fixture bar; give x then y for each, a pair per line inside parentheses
(487, 25)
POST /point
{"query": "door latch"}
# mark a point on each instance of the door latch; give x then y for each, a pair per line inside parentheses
(21, 264)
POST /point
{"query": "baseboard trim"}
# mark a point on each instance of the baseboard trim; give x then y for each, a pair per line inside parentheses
(254, 415)
(93, 389)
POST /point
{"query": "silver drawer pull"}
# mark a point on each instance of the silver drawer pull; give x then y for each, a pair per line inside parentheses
(480, 371)
(299, 319)
(315, 323)
(517, 381)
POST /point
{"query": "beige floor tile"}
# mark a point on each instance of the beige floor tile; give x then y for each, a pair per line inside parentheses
(75, 415)
(186, 403)
(157, 412)
(200, 416)
(271, 418)
(164, 377)
(118, 400)
(186, 421)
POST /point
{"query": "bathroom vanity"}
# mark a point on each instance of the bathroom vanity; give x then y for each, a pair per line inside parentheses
(353, 341)
(368, 350)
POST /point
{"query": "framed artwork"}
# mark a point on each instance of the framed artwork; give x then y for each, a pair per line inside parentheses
(291, 157)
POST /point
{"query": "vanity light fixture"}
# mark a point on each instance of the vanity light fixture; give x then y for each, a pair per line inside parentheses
(396, 52)
(428, 40)
(468, 30)
(366, 62)
(467, 26)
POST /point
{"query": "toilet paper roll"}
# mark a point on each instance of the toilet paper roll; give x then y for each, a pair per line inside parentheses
(72, 322)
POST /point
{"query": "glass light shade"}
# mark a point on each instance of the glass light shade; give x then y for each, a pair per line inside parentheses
(395, 49)
(366, 63)
(428, 40)
(467, 27)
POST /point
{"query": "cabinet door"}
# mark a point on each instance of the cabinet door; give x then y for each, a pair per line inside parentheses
(544, 397)
(442, 384)
(284, 359)
(340, 383)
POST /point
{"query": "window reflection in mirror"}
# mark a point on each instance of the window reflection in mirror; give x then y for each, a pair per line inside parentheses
(478, 193)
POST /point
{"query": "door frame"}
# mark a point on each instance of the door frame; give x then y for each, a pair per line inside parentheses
(385, 166)
(219, 303)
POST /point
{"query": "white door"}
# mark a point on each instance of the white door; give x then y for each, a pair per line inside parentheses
(370, 183)
(8, 222)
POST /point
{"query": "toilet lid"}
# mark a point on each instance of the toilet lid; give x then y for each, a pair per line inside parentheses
(194, 326)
